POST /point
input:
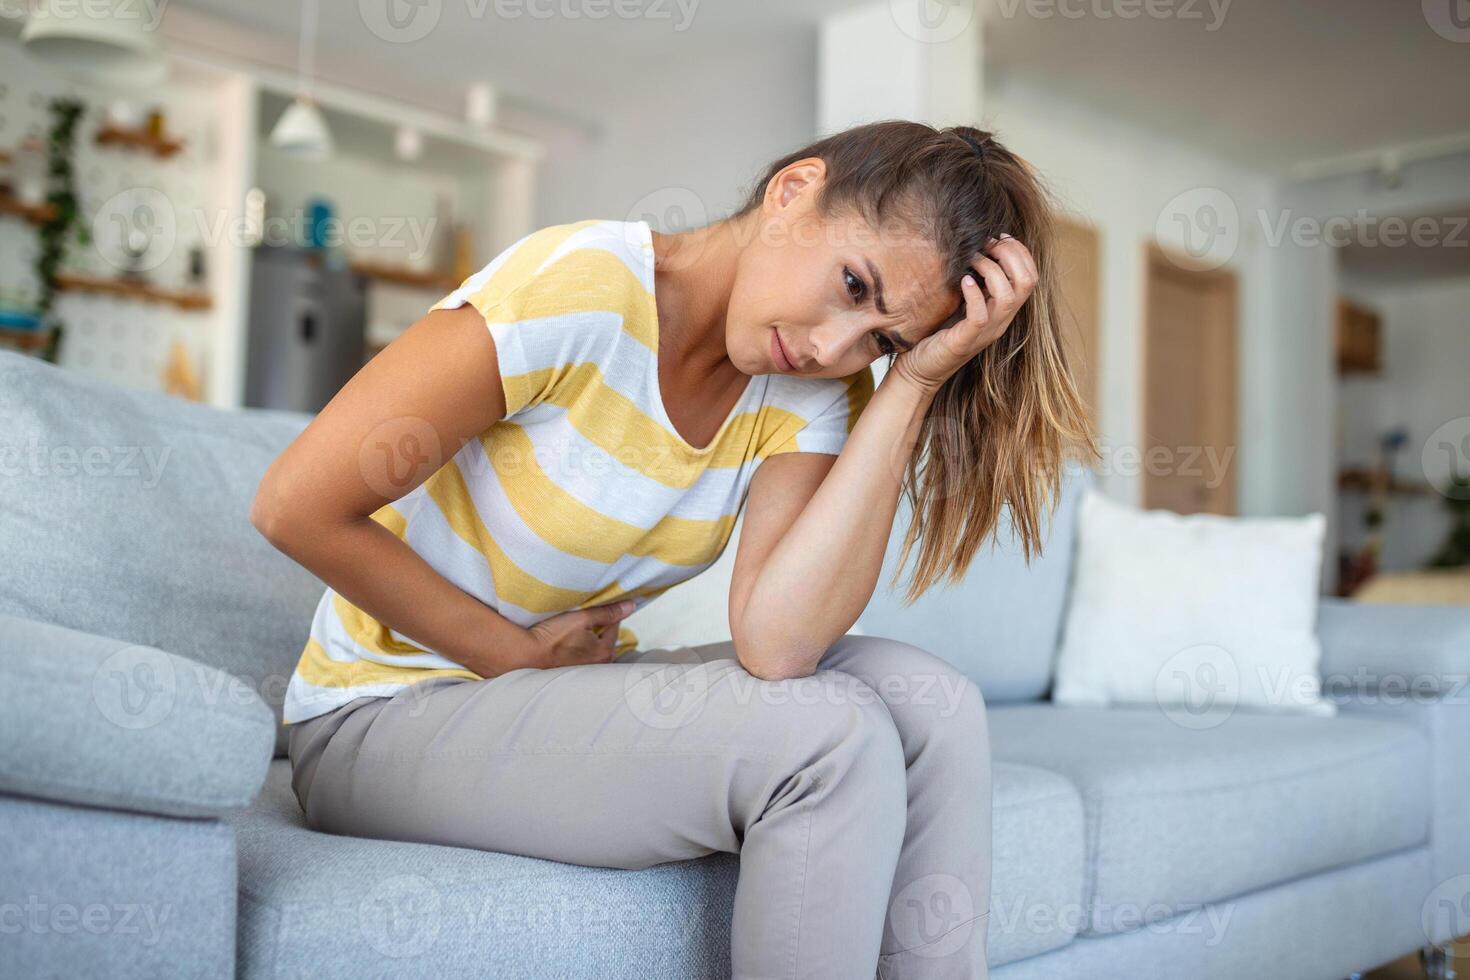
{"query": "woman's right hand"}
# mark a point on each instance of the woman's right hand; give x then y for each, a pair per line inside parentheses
(578, 636)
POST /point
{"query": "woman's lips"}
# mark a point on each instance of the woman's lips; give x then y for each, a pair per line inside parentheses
(778, 353)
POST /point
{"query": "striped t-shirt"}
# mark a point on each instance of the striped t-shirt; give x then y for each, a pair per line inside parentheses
(584, 493)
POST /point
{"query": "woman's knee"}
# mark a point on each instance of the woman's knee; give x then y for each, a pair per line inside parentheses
(837, 717)
(926, 696)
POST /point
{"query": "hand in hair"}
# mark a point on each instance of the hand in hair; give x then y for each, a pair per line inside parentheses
(1009, 274)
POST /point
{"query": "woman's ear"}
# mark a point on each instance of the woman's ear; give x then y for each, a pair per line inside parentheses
(796, 178)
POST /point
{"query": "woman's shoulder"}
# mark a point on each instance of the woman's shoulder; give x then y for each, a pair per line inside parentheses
(588, 266)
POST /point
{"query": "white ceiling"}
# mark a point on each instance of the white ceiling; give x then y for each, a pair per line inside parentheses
(1275, 83)
(565, 63)
(1278, 82)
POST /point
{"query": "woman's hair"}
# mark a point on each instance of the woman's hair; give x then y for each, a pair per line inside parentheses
(1000, 430)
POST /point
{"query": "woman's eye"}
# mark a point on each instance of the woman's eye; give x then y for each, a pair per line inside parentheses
(856, 288)
(885, 346)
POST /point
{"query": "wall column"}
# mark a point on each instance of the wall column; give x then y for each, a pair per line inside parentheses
(901, 59)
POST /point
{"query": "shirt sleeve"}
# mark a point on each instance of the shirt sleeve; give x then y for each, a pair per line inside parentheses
(498, 292)
(830, 420)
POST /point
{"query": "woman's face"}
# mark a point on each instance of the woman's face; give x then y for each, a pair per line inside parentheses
(824, 299)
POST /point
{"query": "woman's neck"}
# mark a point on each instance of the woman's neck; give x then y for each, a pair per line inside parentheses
(694, 273)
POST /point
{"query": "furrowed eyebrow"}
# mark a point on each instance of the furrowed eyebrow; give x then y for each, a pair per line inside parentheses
(897, 340)
(877, 286)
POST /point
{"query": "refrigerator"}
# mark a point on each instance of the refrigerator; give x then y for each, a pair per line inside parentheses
(306, 327)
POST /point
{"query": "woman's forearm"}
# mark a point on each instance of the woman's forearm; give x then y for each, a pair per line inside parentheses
(377, 572)
(819, 577)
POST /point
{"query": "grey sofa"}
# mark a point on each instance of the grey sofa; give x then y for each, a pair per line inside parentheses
(147, 633)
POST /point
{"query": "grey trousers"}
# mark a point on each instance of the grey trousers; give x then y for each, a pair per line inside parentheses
(858, 798)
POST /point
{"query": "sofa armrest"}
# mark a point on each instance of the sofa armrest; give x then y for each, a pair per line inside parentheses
(99, 722)
(1418, 650)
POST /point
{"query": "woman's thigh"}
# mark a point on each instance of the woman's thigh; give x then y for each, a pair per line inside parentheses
(624, 765)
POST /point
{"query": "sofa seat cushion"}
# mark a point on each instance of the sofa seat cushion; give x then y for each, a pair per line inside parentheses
(324, 906)
(1037, 863)
(1177, 817)
(320, 905)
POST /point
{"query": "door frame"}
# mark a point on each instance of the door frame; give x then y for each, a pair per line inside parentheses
(1223, 285)
(1084, 332)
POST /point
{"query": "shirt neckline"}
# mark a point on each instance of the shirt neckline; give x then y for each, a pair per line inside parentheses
(646, 248)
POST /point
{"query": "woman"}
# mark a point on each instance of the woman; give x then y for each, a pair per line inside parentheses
(573, 430)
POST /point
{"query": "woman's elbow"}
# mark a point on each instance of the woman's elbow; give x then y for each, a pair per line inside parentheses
(768, 664)
(272, 516)
(772, 672)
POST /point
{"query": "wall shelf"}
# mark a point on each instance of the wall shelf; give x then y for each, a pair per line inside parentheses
(138, 139)
(1357, 478)
(404, 276)
(36, 214)
(133, 289)
(25, 339)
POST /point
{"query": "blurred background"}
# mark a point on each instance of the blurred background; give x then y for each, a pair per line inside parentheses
(1266, 258)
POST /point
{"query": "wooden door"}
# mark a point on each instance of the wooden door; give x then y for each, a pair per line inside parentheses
(1189, 385)
(1078, 261)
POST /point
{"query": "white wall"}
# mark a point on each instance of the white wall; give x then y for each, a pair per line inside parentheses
(126, 341)
(1130, 183)
(680, 145)
(1425, 347)
(1425, 384)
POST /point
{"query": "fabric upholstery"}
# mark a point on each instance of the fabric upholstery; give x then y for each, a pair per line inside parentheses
(1177, 817)
(1001, 623)
(127, 514)
(1329, 925)
(1413, 650)
(86, 892)
(96, 721)
(1037, 862)
(1445, 721)
(320, 904)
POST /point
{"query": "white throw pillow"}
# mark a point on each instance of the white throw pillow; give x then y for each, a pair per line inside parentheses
(1196, 614)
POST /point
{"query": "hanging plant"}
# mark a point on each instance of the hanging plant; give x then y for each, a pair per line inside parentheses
(64, 220)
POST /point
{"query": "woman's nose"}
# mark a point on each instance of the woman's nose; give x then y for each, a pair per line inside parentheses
(830, 342)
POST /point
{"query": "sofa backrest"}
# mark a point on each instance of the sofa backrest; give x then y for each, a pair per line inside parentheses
(1002, 623)
(126, 513)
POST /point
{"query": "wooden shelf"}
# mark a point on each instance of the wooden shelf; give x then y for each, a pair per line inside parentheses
(36, 214)
(25, 339)
(404, 276)
(1359, 340)
(1354, 478)
(132, 289)
(139, 139)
